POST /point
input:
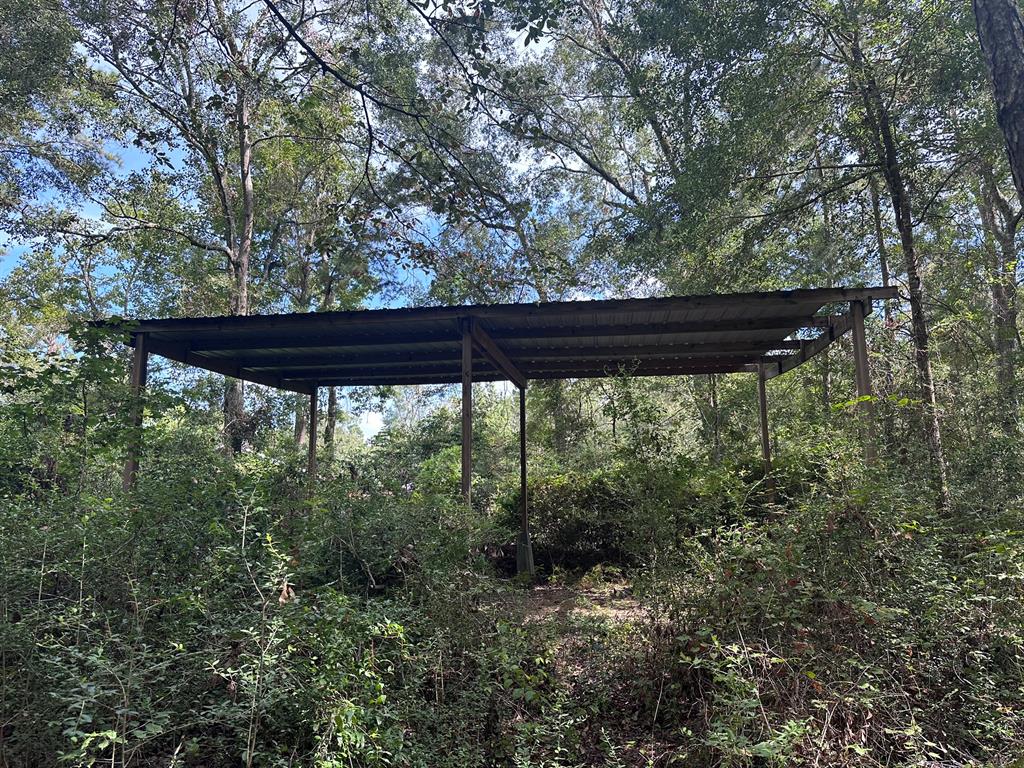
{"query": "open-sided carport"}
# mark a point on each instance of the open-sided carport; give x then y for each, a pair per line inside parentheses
(765, 333)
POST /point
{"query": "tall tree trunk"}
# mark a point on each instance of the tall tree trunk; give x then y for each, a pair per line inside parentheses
(1000, 222)
(300, 421)
(248, 205)
(331, 421)
(234, 397)
(331, 417)
(234, 414)
(301, 303)
(1001, 33)
(888, 374)
(716, 419)
(234, 401)
(559, 420)
(883, 139)
(826, 381)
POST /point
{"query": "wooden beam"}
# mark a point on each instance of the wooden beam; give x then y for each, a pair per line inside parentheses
(644, 367)
(532, 368)
(662, 351)
(863, 374)
(559, 371)
(435, 379)
(524, 547)
(276, 361)
(139, 374)
(311, 461)
(780, 325)
(317, 338)
(467, 413)
(440, 377)
(840, 325)
(183, 354)
(306, 366)
(497, 357)
(452, 366)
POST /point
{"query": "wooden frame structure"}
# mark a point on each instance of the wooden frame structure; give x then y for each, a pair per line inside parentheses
(767, 333)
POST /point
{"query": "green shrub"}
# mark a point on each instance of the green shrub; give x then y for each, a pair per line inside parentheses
(627, 513)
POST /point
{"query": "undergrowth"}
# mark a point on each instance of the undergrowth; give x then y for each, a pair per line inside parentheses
(219, 616)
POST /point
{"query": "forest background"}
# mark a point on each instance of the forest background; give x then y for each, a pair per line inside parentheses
(180, 158)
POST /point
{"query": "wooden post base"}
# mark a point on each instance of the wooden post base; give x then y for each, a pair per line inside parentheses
(524, 554)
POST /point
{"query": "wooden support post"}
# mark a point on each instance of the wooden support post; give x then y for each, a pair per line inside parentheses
(763, 408)
(467, 410)
(766, 442)
(863, 371)
(524, 547)
(140, 370)
(311, 463)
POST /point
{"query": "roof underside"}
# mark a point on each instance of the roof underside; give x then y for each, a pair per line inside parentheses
(579, 339)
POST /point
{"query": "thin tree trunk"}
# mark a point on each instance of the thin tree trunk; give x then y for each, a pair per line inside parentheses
(234, 415)
(559, 422)
(1000, 223)
(716, 419)
(248, 205)
(880, 124)
(1001, 33)
(888, 374)
(331, 420)
(300, 421)
(234, 399)
(826, 381)
(302, 303)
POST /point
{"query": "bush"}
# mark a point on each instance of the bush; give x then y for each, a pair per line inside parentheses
(629, 512)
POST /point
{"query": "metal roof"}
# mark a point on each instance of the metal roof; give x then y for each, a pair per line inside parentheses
(670, 336)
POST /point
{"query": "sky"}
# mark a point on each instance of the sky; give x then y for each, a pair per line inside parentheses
(10, 254)
(129, 158)
(370, 423)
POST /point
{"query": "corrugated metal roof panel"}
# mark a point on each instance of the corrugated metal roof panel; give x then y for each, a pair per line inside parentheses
(647, 337)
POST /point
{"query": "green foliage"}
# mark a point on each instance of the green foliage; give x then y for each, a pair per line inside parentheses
(217, 615)
(631, 512)
(865, 613)
(691, 611)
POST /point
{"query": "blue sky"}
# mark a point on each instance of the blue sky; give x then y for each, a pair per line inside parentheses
(129, 158)
(10, 254)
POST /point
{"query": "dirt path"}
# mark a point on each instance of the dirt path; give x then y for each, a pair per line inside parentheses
(565, 603)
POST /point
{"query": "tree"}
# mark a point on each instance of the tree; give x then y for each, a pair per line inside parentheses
(881, 131)
(52, 116)
(1000, 222)
(209, 91)
(1001, 32)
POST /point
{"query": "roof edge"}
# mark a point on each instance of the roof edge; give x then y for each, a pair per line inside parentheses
(819, 296)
